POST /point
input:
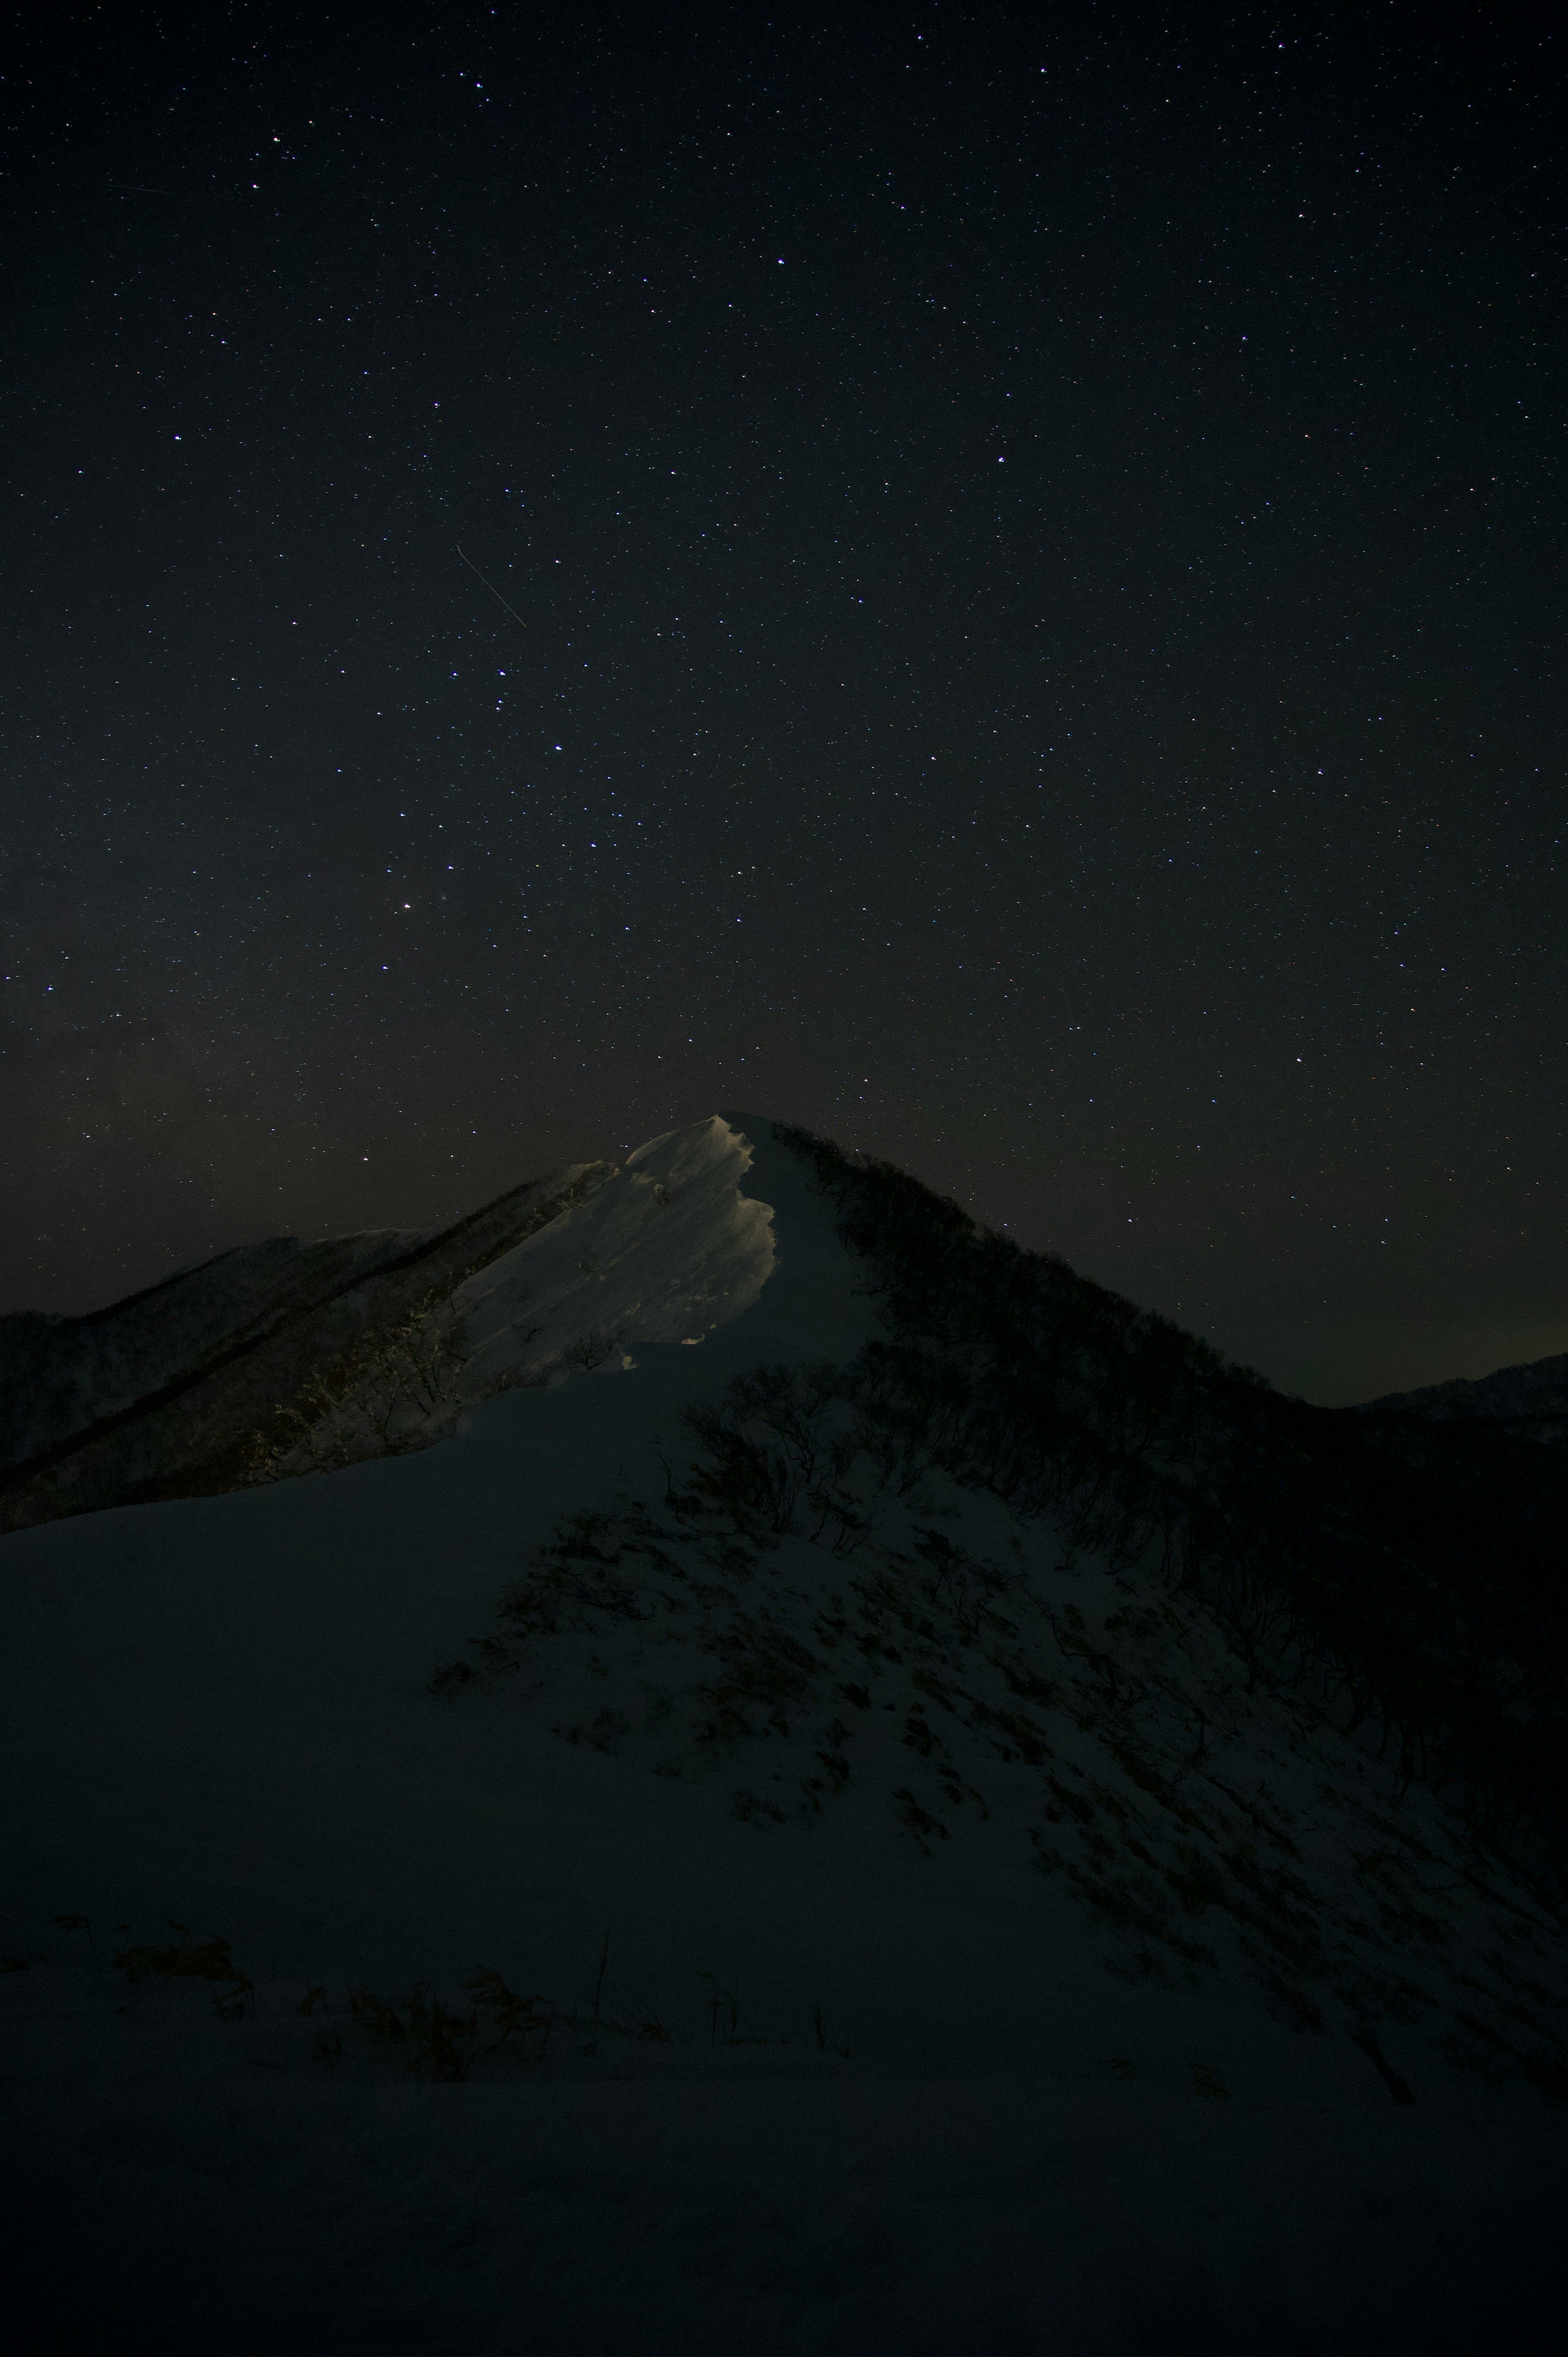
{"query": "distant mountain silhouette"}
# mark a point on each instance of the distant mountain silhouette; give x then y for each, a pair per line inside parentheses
(1530, 1400)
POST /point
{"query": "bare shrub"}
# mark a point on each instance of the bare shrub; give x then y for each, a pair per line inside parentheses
(392, 1391)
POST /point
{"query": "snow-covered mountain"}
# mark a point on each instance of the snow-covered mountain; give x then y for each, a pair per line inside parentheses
(1530, 1401)
(287, 1357)
(866, 1796)
(173, 1392)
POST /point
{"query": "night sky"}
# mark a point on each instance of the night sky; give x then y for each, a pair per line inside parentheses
(987, 581)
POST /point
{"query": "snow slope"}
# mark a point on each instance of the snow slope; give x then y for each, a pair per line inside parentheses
(833, 1843)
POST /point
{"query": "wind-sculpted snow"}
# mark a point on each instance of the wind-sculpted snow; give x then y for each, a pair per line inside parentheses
(664, 1251)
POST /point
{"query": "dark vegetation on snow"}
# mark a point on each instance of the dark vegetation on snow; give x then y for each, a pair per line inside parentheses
(1406, 1574)
(497, 2031)
(1192, 1769)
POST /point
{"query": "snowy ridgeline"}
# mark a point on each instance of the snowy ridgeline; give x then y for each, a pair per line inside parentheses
(63, 1377)
(286, 1357)
(660, 1251)
(675, 1867)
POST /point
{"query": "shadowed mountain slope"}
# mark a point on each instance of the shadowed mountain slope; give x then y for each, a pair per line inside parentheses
(163, 1395)
(1404, 1572)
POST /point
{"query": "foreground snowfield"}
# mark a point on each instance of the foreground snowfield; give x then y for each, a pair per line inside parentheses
(852, 2071)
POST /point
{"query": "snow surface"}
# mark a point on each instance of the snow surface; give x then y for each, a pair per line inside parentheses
(840, 2081)
(664, 1251)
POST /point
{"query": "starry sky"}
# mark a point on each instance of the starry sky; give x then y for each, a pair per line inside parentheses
(987, 581)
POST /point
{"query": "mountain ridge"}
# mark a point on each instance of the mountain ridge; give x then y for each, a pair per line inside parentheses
(146, 1442)
(857, 1678)
(1530, 1399)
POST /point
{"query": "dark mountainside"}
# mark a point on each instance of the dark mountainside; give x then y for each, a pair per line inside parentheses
(1404, 1576)
(170, 1393)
